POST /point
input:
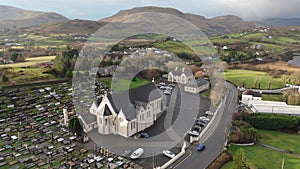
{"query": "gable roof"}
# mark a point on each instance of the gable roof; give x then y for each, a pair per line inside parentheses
(88, 118)
(107, 111)
(181, 71)
(127, 100)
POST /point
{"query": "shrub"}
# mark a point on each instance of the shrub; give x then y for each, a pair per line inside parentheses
(222, 159)
(272, 121)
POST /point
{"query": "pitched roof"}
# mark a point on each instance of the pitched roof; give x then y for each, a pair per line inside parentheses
(107, 111)
(201, 82)
(126, 100)
(130, 113)
(181, 71)
(88, 118)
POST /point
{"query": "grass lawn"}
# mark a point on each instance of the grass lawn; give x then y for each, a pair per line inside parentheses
(30, 61)
(281, 140)
(122, 84)
(274, 97)
(174, 47)
(238, 76)
(25, 75)
(265, 158)
(269, 46)
(254, 35)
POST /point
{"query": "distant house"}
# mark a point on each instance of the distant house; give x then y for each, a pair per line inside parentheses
(197, 86)
(180, 75)
(109, 70)
(248, 95)
(125, 113)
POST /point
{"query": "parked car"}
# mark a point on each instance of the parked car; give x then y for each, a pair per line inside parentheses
(193, 133)
(137, 153)
(126, 152)
(204, 119)
(200, 123)
(197, 128)
(167, 92)
(144, 135)
(209, 113)
(162, 83)
(201, 147)
(168, 153)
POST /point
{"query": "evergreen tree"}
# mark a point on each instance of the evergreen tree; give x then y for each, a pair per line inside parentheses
(69, 74)
(5, 78)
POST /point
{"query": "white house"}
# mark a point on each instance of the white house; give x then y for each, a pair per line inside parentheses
(180, 75)
(248, 95)
(125, 113)
(197, 86)
(272, 107)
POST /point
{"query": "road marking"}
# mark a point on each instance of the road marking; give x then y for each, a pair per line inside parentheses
(183, 159)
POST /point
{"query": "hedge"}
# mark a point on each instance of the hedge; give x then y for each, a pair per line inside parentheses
(273, 121)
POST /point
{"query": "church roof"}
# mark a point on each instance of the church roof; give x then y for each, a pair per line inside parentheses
(88, 118)
(126, 100)
(107, 111)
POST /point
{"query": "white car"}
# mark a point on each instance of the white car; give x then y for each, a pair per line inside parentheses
(193, 133)
(168, 153)
(203, 118)
(167, 92)
(137, 153)
(209, 113)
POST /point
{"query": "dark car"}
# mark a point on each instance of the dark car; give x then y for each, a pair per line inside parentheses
(144, 135)
(201, 147)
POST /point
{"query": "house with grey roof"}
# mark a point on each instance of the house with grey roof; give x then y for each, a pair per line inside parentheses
(125, 113)
(197, 86)
(180, 75)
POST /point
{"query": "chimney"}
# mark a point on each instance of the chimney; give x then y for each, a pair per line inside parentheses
(183, 69)
(176, 68)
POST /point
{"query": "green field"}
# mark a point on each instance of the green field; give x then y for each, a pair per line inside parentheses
(274, 97)
(174, 47)
(30, 62)
(290, 142)
(238, 76)
(25, 75)
(265, 158)
(122, 84)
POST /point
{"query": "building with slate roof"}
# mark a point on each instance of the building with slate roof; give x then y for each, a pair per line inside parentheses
(197, 86)
(125, 113)
(180, 75)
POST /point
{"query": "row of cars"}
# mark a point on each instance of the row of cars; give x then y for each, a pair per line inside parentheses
(138, 153)
(200, 123)
(167, 88)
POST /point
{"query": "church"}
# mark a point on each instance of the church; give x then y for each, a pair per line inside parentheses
(125, 113)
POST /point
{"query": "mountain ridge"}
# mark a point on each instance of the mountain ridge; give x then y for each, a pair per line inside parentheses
(17, 17)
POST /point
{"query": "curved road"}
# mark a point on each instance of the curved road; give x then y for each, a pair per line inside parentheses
(214, 138)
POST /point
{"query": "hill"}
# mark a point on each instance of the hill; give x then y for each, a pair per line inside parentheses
(16, 17)
(71, 26)
(282, 22)
(211, 27)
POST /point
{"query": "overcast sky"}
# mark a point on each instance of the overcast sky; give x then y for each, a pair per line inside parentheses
(97, 9)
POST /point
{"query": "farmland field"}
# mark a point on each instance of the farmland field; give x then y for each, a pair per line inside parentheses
(238, 77)
(31, 62)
